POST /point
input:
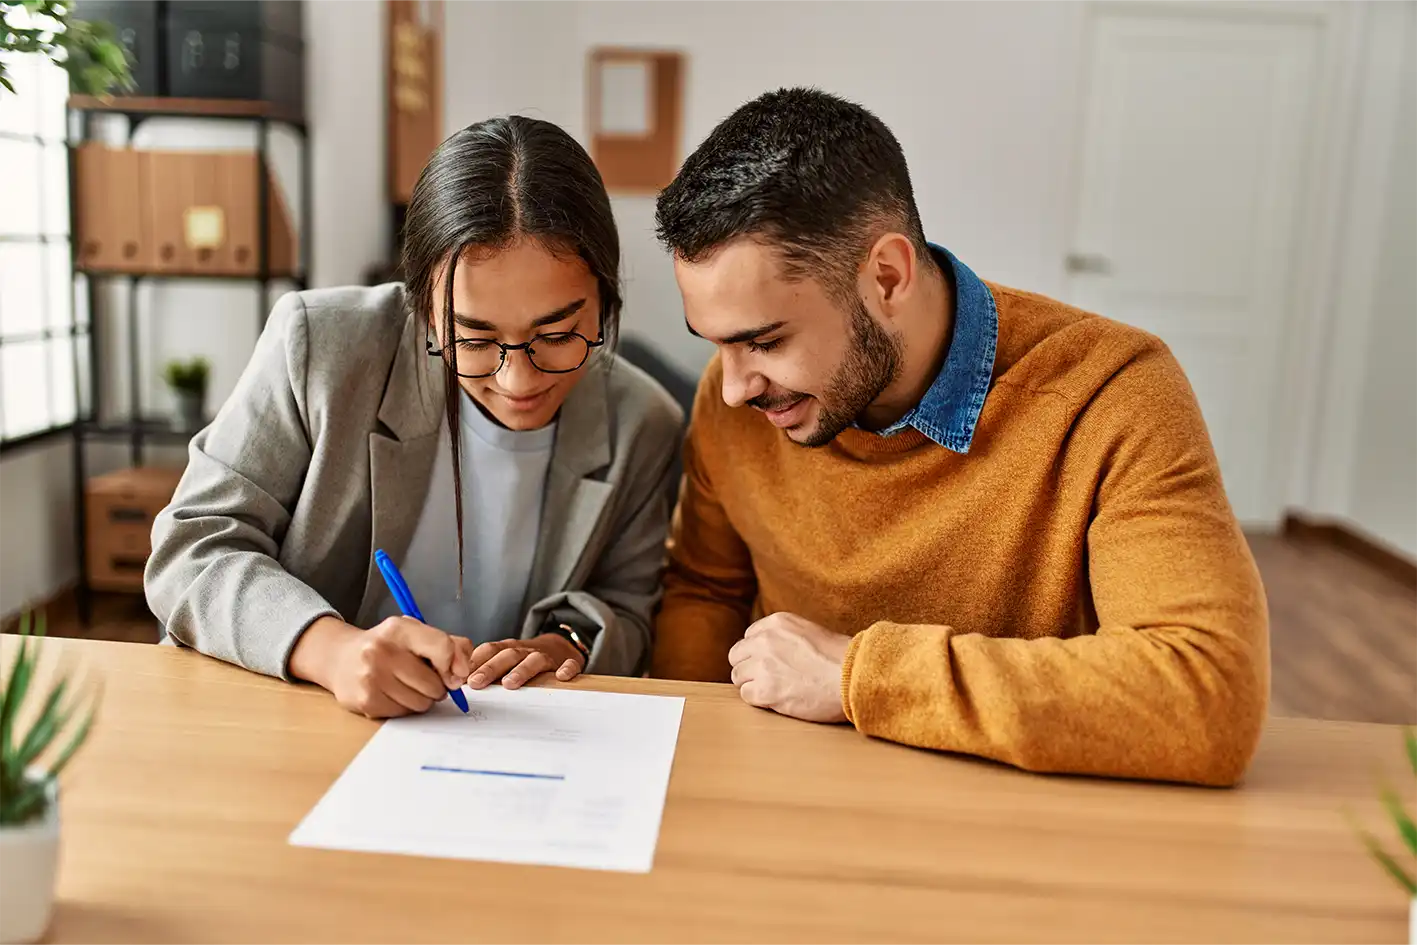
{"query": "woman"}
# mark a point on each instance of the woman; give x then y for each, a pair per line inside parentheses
(471, 422)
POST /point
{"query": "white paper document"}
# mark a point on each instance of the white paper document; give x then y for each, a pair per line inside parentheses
(556, 777)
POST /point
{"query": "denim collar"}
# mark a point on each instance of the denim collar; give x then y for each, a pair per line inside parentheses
(950, 408)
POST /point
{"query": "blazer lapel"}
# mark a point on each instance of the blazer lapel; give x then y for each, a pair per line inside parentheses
(574, 501)
(401, 459)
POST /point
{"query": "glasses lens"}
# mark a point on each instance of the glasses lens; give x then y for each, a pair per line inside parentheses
(559, 352)
(478, 358)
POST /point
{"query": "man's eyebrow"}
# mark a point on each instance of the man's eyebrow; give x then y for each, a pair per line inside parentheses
(737, 338)
(550, 318)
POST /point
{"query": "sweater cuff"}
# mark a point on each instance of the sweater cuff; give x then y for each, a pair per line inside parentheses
(846, 664)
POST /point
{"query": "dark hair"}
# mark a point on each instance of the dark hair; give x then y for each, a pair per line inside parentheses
(815, 176)
(488, 186)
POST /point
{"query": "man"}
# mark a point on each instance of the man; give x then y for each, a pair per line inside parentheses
(956, 515)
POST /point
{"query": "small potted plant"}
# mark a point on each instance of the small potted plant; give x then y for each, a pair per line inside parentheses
(1407, 830)
(188, 381)
(42, 724)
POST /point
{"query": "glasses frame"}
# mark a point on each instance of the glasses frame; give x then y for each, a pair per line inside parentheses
(436, 352)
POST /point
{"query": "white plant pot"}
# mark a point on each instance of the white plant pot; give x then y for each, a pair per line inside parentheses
(29, 862)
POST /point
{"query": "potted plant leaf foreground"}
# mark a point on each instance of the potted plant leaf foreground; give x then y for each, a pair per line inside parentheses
(1403, 873)
(44, 720)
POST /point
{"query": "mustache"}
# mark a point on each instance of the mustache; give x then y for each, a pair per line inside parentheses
(766, 402)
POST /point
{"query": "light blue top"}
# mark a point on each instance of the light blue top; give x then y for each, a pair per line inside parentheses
(503, 484)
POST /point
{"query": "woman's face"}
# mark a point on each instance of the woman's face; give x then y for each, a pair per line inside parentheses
(524, 293)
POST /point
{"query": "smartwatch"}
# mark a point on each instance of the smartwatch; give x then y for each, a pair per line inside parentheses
(573, 626)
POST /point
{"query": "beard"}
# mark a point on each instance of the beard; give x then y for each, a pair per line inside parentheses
(871, 364)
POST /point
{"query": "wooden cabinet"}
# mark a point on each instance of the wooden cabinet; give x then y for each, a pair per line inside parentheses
(120, 510)
(177, 212)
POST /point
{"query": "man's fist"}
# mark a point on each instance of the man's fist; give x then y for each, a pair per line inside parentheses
(793, 666)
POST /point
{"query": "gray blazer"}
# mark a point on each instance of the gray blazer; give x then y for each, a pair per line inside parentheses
(324, 452)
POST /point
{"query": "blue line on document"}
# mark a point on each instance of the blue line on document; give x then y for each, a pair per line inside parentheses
(496, 774)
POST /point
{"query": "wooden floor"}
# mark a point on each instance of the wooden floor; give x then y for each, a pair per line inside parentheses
(1343, 633)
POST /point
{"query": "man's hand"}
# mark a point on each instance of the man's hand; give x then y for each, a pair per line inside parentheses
(793, 666)
(384, 671)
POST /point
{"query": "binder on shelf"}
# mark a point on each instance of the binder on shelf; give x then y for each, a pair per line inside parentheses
(179, 213)
(168, 189)
(240, 193)
(109, 209)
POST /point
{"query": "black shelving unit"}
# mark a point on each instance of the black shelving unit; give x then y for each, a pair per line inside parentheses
(136, 429)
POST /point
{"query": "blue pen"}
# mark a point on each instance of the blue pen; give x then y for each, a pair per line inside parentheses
(404, 597)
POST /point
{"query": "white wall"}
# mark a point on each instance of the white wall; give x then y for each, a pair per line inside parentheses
(982, 96)
(345, 114)
(1383, 500)
(36, 524)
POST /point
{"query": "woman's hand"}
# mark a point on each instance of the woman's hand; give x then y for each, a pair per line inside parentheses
(397, 668)
(516, 662)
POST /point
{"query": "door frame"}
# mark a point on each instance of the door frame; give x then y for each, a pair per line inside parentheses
(1307, 323)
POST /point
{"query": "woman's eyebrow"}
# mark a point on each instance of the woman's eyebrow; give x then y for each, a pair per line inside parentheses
(550, 318)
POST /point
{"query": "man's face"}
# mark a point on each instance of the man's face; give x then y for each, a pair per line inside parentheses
(789, 349)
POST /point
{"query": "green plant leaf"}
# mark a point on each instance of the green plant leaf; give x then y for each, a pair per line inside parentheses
(88, 50)
(28, 803)
(1388, 863)
(1405, 827)
(16, 684)
(1409, 735)
(45, 727)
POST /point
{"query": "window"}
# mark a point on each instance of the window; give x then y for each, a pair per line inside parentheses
(38, 328)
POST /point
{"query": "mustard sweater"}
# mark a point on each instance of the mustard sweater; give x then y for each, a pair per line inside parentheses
(1073, 594)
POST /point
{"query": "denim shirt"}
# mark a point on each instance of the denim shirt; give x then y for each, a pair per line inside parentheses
(950, 408)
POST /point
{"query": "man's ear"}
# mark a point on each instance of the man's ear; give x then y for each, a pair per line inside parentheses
(892, 271)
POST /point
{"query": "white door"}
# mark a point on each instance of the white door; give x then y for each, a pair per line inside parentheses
(1196, 127)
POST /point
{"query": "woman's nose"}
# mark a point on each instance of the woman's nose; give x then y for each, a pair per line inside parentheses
(518, 375)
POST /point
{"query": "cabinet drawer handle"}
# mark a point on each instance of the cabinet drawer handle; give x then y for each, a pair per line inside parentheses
(127, 515)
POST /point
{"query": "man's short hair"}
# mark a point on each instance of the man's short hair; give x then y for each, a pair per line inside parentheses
(814, 176)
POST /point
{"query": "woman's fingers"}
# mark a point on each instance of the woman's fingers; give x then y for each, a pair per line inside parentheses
(379, 706)
(569, 670)
(495, 667)
(408, 698)
(486, 651)
(462, 659)
(416, 675)
(535, 662)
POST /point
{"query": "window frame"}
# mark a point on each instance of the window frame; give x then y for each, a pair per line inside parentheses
(59, 309)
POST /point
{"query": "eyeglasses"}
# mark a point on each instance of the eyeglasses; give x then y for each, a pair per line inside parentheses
(559, 352)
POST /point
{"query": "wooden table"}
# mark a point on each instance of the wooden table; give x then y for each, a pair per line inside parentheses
(176, 814)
